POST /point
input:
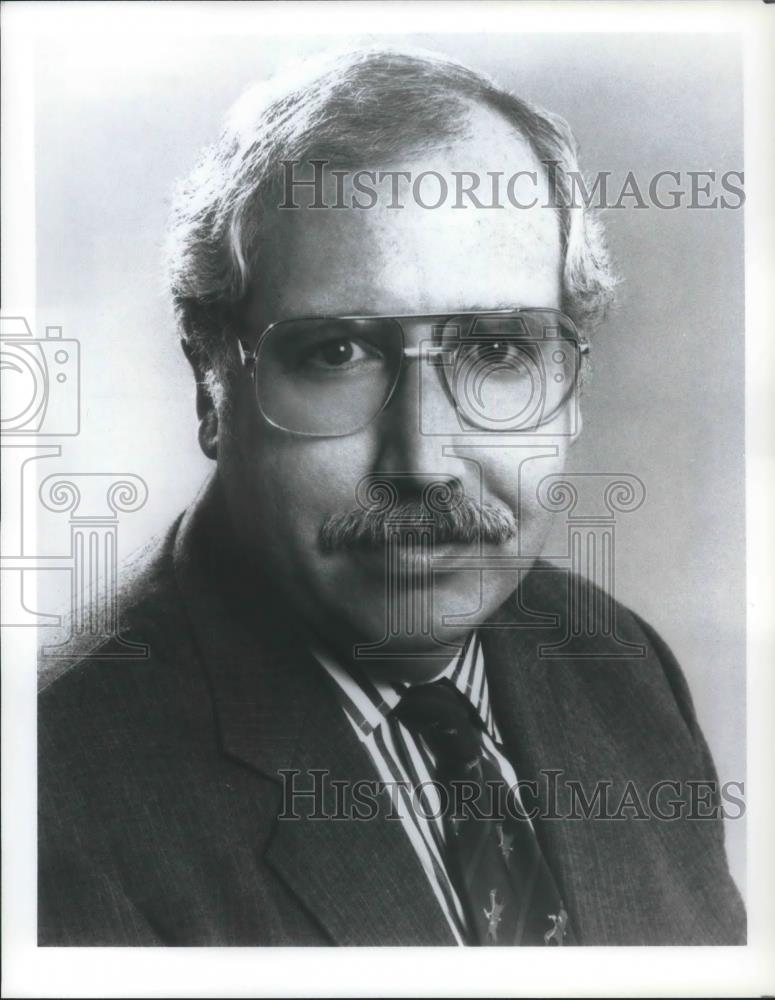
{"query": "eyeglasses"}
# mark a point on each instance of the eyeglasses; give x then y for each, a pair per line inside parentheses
(330, 376)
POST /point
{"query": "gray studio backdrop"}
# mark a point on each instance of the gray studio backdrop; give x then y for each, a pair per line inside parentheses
(117, 123)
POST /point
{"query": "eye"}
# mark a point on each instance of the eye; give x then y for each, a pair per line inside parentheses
(340, 354)
(499, 349)
(497, 353)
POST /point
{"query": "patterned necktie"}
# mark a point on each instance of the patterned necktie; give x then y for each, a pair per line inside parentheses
(493, 856)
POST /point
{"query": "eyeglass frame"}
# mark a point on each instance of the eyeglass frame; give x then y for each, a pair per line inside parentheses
(249, 357)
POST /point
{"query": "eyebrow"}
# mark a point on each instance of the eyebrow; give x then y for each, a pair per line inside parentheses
(499, 306)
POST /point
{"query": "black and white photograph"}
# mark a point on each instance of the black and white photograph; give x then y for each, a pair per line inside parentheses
(386, 559)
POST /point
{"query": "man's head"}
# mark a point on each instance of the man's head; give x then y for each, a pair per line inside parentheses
(241, 263)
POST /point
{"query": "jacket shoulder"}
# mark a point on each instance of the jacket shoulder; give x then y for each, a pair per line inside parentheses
(120, 696)
(149, 613)
(605, 631)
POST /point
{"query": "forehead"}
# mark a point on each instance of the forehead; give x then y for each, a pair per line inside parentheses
(418, 259)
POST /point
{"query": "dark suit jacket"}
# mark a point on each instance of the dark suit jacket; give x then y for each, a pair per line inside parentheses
(159, 791)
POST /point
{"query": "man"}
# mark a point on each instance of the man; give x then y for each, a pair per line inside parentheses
(350, 633)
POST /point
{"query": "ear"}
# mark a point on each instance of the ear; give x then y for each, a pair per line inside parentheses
(206, 409)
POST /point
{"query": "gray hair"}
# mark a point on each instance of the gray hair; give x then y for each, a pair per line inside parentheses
(356, 106)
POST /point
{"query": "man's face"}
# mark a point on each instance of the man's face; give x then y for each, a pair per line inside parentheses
(281, 487)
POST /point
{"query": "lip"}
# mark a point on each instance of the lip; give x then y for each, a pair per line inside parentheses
(417, 565)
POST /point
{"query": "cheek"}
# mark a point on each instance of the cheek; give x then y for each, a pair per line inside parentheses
(512, 472)
(281, 486)
(298, 482)
(512, 467)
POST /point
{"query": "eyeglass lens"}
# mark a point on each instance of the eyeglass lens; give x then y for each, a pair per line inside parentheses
(331, 377)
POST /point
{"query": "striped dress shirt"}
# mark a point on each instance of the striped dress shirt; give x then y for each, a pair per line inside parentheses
(405, 763)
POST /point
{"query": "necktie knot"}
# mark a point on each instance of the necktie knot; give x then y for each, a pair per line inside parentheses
(446, 720)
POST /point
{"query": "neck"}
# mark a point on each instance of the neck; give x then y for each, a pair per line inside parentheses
(407, 665)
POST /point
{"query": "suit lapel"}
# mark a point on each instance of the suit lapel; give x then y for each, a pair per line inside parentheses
(541, 736)
(612, 727)
(361, 878)
(276, 712)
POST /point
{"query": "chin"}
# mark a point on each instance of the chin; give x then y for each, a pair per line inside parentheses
(417, 622)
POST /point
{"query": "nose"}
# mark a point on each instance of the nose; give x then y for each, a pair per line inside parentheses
(417, 429)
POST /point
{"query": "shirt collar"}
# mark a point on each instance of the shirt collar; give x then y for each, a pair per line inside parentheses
(369, 702)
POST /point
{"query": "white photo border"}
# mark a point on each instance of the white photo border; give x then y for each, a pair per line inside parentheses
(30, 971)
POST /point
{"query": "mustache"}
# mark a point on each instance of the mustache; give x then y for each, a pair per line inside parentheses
(466, 522)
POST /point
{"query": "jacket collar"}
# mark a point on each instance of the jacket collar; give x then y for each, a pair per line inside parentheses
(260, 700)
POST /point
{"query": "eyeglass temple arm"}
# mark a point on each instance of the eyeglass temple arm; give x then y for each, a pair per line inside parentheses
(247, 356)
